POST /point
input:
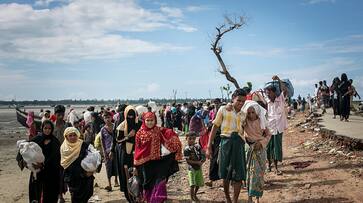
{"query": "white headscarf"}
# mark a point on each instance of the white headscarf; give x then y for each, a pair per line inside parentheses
(260, 112)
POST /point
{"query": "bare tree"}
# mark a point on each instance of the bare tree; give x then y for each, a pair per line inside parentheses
(174, 94)
(227, 26)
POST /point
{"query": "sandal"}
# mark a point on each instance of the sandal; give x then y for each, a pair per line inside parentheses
(117, 185)
(108, 188)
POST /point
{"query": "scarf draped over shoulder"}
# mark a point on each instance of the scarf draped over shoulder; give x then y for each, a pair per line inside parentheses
(70, 151)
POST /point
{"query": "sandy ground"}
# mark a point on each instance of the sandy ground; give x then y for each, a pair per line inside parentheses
(327, 178)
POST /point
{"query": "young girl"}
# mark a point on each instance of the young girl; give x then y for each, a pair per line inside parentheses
(257, 136)
(89, 136)
(32, 131)
(107, 139)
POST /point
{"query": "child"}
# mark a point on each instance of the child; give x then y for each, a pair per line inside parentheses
(195, 158)
(107, 138)
(89, 136)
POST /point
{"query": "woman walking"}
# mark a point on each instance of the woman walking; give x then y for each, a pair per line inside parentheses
(257, 137)
(125, 140)
(46, 187)
(345, 97)
(156, 153)
(73, 151)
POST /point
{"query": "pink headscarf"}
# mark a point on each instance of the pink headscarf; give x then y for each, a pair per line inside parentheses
(30, 118)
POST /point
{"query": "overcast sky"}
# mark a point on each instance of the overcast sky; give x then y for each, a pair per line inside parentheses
(79, 49)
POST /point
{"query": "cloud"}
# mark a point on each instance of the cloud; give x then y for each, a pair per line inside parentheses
(311, 2)
(152, 88)
(343, 45)
(351, 44)
(44, 3)
(172, 12)
(83, 29)
(263, 52)
(78, 95)
(197, 8)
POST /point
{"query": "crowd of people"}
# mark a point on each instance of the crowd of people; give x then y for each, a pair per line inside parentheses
(242, 138)
(339, 95)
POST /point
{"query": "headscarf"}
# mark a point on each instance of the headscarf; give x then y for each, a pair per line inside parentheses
(127, 125)
(260, 112)
(173, 109)
(30, 118)
(70, 151)
(148, 115)
(200, 114)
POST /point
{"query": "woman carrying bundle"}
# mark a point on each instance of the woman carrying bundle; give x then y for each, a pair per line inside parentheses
(156, 153)
(46, 186)
(73, 151)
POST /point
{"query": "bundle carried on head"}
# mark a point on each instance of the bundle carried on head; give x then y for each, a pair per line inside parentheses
(275, 87)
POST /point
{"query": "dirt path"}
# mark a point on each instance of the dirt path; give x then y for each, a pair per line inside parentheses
(335, 177)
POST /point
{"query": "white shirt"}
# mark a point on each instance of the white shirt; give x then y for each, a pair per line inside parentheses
(277, 121)
(87, 117)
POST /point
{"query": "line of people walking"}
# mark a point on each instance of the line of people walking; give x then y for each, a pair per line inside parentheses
(242, 139)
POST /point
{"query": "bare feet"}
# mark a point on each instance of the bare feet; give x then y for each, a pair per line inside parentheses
(209, 184)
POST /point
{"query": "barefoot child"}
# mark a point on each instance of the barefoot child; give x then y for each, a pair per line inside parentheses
(195, 158)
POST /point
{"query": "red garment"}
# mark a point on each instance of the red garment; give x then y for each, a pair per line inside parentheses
(203, 139)
(53, 118)
(148, 142)
(249, 96)
(32, 131)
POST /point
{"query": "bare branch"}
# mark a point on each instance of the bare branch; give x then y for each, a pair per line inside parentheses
(217, 48)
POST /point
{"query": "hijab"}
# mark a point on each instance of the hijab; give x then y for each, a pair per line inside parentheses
(148, 115)
(70, 151)
(129, 124)
(260, 112)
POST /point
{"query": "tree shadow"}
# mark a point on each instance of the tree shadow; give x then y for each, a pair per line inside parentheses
(324, 200)
(300, 185)
(295, 157)
(284, 180)
(340, 166)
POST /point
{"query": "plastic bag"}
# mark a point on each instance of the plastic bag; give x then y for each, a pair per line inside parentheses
(32, 154)
(276, 84)
(93, 159)
(290, 88)
(134, 186)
